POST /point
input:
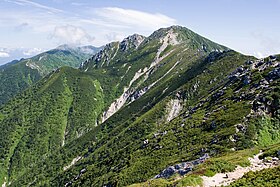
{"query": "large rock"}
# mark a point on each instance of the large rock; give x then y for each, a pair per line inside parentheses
(181, 168)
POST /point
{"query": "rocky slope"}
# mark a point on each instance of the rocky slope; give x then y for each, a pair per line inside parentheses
(135, 108)
(19, 75)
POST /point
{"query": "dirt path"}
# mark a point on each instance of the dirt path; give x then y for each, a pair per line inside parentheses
(226, 178)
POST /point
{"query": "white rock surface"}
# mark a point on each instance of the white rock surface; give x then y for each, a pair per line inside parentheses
(32, 65)
(174, 108)
(170, 38)
(72, 163)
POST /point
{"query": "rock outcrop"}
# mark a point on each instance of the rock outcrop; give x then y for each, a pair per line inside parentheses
(182, 168)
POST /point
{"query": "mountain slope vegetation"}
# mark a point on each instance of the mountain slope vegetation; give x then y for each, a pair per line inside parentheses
(19, 75)
(136, 107)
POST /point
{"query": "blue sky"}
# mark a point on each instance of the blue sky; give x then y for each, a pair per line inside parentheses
(32, 26)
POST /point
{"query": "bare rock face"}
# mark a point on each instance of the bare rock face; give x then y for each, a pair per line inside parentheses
(130, 94)
(99, 58)
(174, 108)
(274, 74)
(107, 54)
(182, 168)
(132, 41)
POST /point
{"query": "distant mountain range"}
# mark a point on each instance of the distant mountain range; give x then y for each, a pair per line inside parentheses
(20, 74)
(8, 55)
(161, 110)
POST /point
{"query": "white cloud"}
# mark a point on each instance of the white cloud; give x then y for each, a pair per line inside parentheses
(78, 4)
(31, 52)
(77, 27)
(36, 5)
(134, 18)
(114, 36)
(72, 35)
(4, 54)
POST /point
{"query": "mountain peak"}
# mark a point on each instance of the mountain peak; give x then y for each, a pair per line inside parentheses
(169, 36)
(109, 51)
(181, 35)
(163, 31)
(132, 41)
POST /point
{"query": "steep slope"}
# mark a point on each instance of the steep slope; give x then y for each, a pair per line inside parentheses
(156, 101)
(140, 147)
(137, 64)
(44, 118)
(19, 75)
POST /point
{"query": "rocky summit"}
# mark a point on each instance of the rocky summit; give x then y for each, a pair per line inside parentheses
(169, 109)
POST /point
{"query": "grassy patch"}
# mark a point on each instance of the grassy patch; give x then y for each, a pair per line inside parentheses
(226, 162)
(271, 151)
(267, 177)
(189, 180)
(153, 183)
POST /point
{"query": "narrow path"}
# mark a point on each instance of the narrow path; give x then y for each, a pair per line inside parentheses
(226, 178)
